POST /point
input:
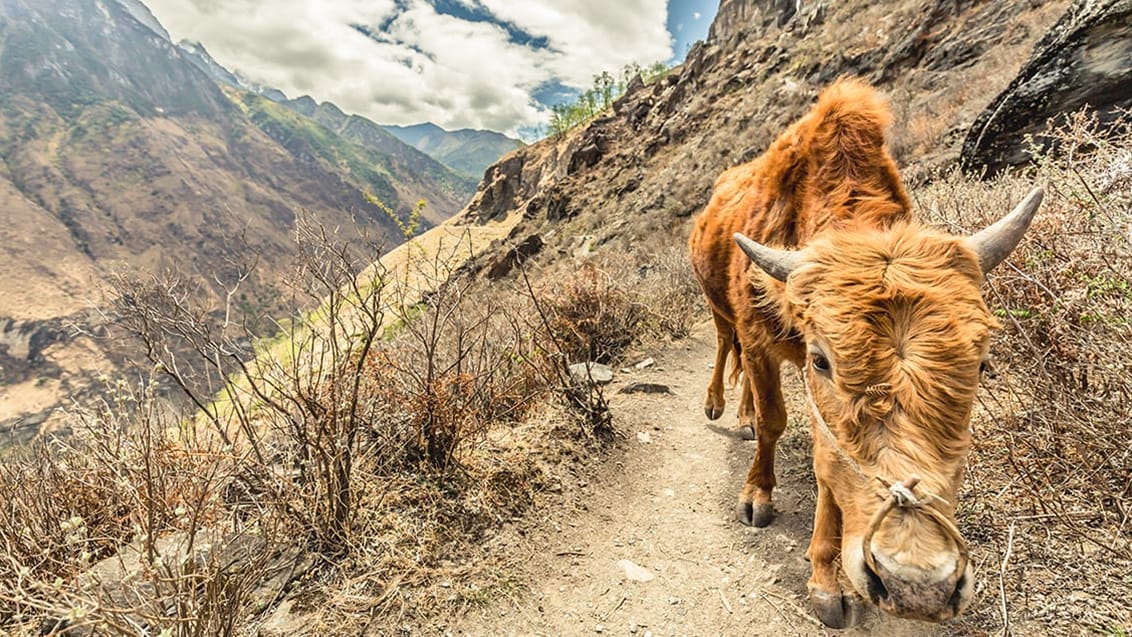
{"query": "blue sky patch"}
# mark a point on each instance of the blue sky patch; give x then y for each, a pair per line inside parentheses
(481, 14)
(689, 21)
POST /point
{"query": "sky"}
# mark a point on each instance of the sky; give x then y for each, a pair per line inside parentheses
(490, 64)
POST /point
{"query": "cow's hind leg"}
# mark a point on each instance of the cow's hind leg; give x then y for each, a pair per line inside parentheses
(835, 607)
(747, 415)
(755, 507)
(724, 339)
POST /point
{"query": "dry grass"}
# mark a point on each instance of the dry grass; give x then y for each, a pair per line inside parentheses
(1050, 481)
(375, 449)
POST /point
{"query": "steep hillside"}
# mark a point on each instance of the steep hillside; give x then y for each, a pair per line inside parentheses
(375, 161)
(414, 175)
(468, 152)
(408, 163)
(116, 151)
(645, 167)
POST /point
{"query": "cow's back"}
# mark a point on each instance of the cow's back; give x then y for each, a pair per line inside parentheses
(831, 166)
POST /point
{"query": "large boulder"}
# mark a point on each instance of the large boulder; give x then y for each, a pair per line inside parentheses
(1084, 60)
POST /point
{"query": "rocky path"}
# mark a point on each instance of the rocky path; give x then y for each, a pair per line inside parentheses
(651, 546)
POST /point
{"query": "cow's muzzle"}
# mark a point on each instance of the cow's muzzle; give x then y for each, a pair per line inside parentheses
(927, 594)
(928, 587)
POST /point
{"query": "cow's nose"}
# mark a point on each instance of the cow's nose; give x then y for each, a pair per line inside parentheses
(929, 594)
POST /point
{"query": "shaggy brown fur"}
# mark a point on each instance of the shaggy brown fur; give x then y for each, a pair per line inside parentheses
(889, 302)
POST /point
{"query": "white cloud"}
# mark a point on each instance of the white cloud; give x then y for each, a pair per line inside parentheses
(432, 67)
(696, 15)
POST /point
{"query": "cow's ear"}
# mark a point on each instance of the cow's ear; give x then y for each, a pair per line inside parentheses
(995, 242)
(777, 263)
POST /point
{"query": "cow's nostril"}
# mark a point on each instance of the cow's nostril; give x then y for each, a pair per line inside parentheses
(957, 595)
(877, 591)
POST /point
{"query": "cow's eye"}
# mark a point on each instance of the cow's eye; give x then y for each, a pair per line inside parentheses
(820, 363)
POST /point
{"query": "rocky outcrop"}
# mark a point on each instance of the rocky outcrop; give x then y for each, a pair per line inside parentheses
(499, 191)
(1084, 61)
(22, 344)
(134, 582)
(508, 260)
(734, 16)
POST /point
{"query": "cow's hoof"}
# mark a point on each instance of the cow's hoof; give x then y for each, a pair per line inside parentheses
(747, 432)
(713, 413)
(759, 515)
(837, 610)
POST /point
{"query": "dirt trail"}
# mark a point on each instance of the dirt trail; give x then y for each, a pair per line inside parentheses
(664, 503)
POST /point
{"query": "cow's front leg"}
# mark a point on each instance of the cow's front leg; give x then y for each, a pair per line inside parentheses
(769, 415)
(835, 607)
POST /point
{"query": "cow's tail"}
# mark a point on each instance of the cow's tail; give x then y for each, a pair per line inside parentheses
(736, 360)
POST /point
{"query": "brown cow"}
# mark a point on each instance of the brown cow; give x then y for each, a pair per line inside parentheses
(885, 318)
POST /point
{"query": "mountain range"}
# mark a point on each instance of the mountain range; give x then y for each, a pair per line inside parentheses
(119, 152)
(466, 152)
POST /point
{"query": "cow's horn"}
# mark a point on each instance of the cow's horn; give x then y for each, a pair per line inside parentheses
(777, 263)
(995, 242)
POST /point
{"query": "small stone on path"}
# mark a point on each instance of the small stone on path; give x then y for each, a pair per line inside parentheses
(645, 364)
(635, 572)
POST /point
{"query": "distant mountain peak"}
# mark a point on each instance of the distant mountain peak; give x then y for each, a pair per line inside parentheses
(466, 151)
(142, 14)
(199, 57)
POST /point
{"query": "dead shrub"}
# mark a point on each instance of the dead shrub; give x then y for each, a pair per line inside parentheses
(1051, 474)
(74, 505)
(591, 315)
(600, 307)
(457, 365)
(668, 288)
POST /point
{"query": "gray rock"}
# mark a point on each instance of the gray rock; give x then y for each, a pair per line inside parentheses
(595, 372)
(1085, 59)
(514, 256)
(129, 580)
(284, 622)
(645, 364)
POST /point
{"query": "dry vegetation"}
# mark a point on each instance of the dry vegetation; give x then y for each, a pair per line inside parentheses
(362, 455)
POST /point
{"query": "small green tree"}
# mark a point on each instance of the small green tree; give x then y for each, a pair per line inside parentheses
(598, 98)
(605, 86)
